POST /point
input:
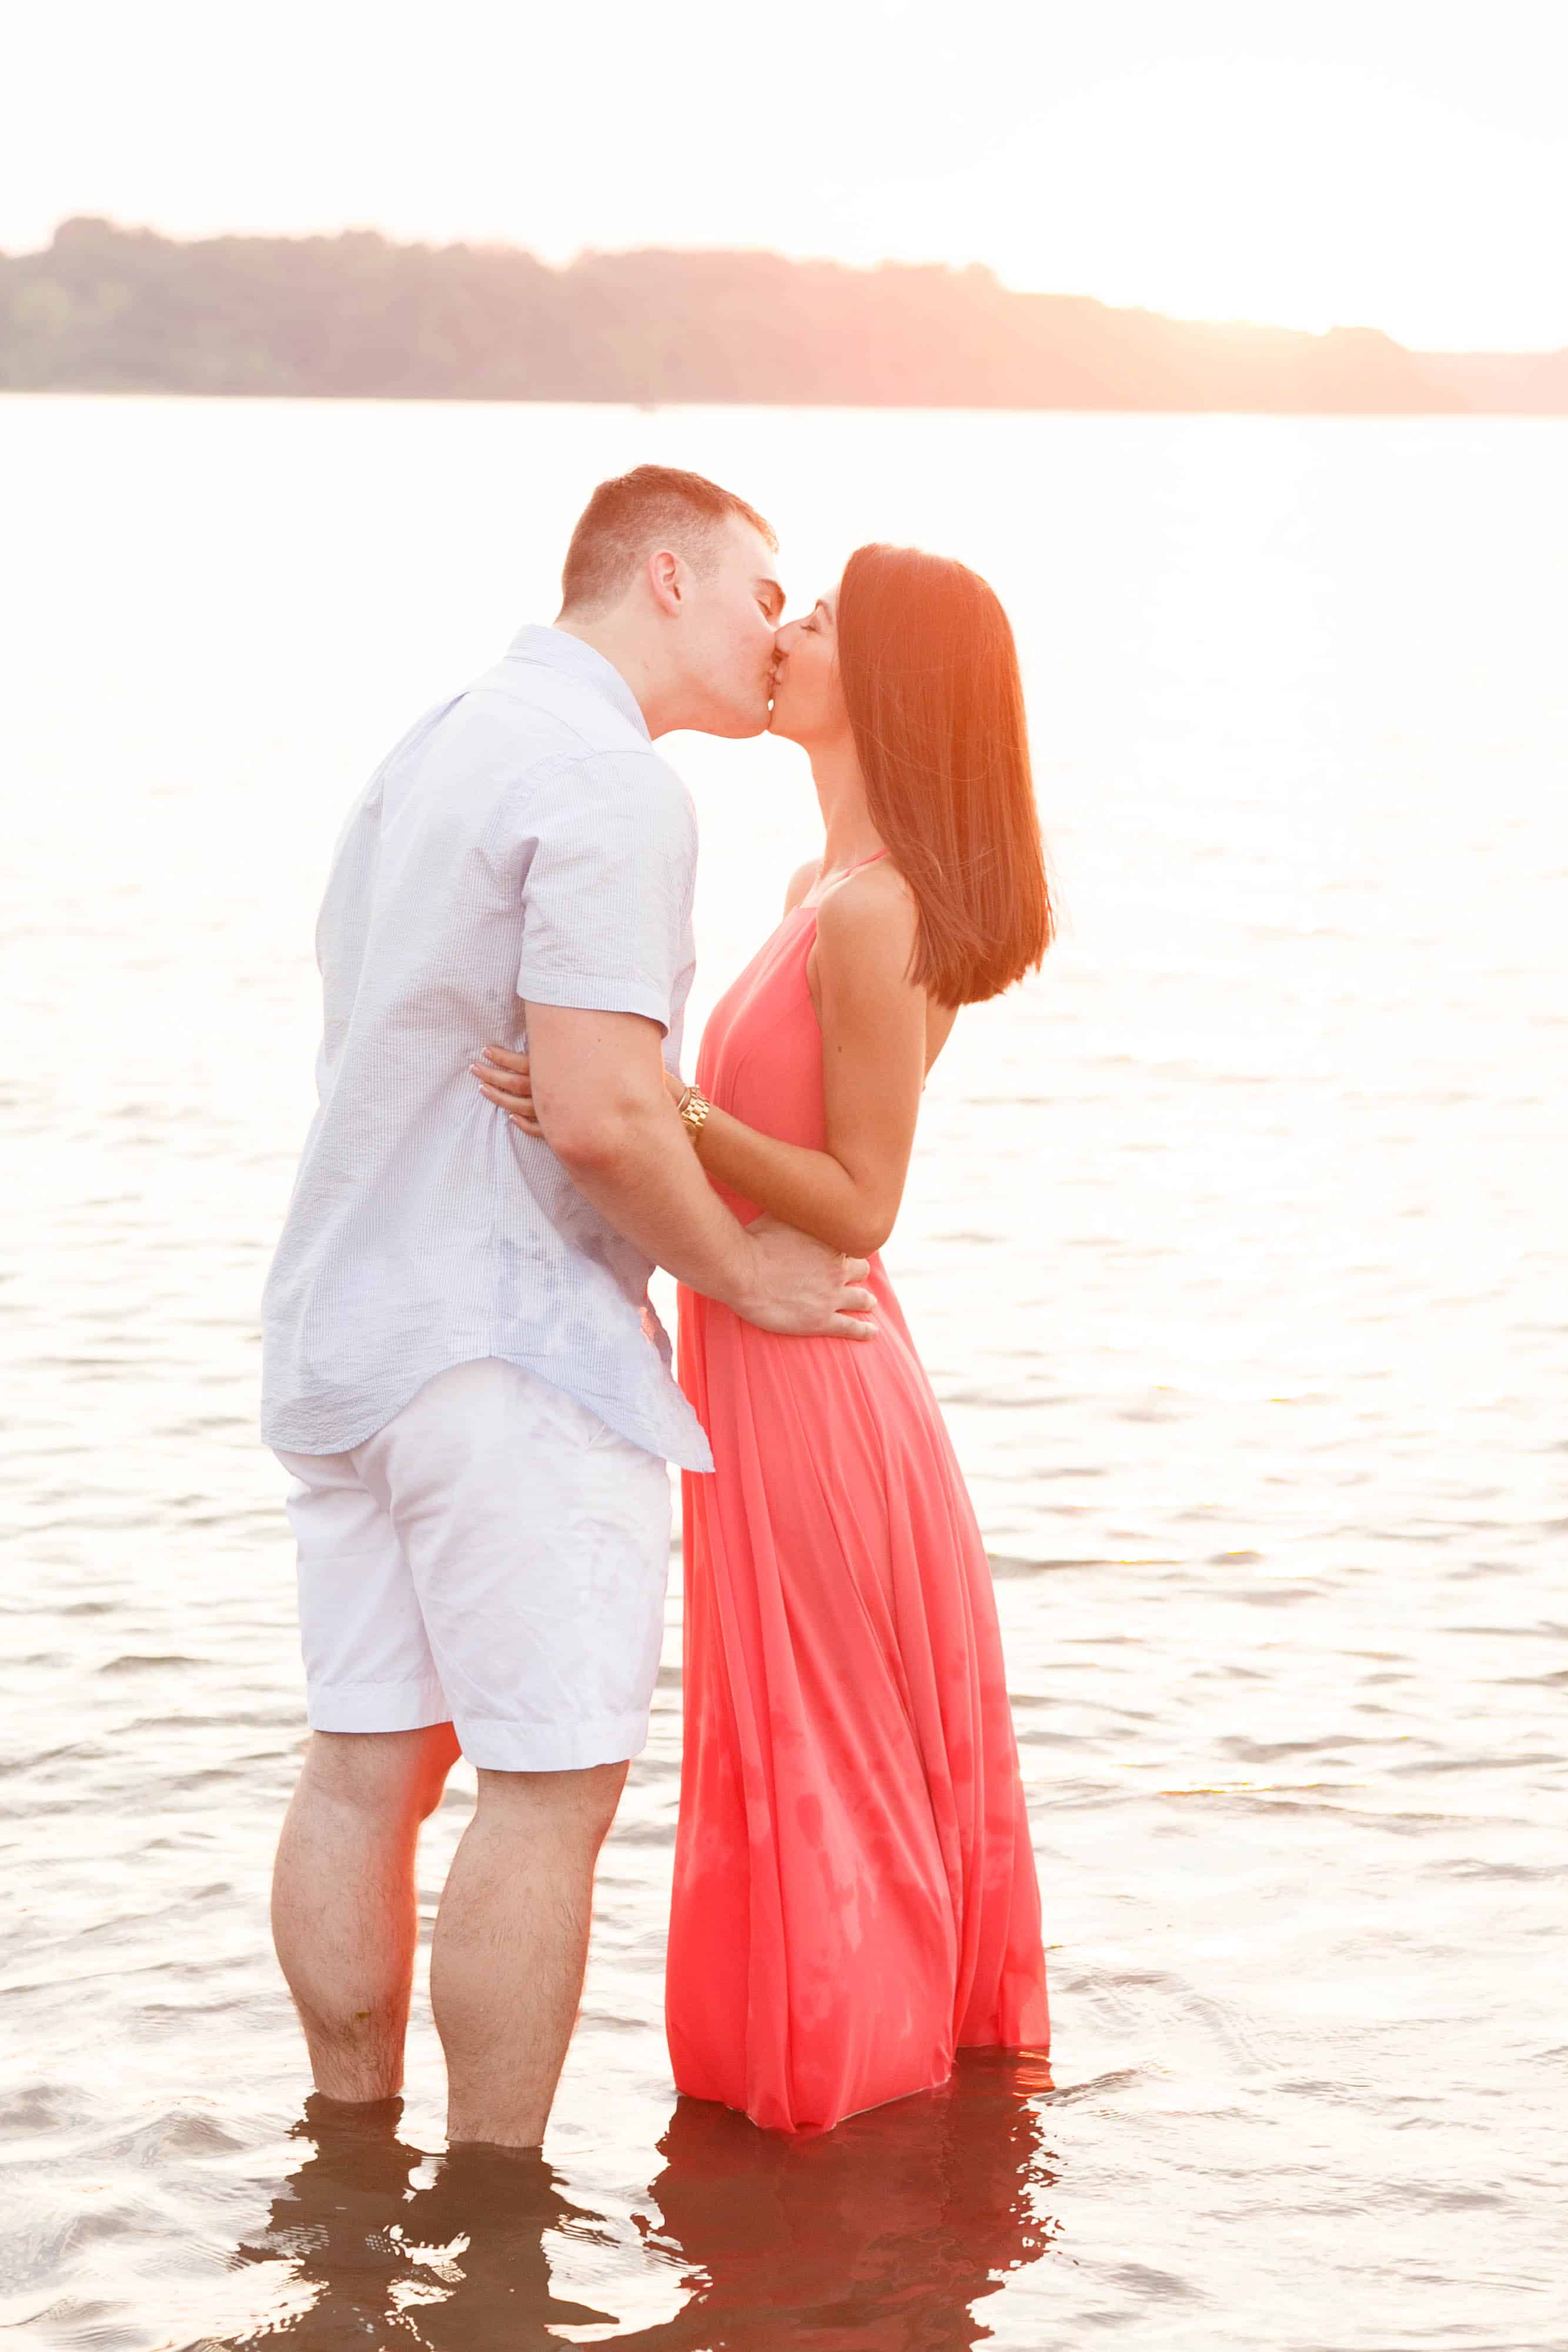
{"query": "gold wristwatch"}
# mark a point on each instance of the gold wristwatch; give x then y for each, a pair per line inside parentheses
(694, 1107)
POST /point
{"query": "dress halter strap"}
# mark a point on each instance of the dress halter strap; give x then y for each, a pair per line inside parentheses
(811, 901)
(848, 870)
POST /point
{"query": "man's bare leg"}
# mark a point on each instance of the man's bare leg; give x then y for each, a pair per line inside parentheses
(511, 1944)
(344, 1908)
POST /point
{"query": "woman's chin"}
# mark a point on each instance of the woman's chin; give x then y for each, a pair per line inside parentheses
(779, 724)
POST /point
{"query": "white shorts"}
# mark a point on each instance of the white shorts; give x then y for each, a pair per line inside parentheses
(495, 1559)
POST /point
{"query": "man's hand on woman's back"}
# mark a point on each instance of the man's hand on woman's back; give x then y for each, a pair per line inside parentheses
(805, 1289)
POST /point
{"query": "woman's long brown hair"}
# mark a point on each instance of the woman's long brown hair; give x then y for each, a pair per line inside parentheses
(930, 679)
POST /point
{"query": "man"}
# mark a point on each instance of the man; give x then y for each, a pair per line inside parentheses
(461, 1370)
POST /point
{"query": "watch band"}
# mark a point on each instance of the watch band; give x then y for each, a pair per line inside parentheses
(694, 1107)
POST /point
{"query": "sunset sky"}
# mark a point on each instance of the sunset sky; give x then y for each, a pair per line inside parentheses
(1401, 164)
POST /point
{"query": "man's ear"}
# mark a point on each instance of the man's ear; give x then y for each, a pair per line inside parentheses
(666, 580)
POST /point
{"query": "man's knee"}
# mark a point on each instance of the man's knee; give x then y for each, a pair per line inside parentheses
(576, 1807)
(386, 1775)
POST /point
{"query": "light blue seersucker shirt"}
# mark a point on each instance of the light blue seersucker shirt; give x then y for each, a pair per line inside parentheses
(523, 841)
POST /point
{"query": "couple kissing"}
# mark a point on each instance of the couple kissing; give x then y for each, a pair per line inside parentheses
(476, 1404)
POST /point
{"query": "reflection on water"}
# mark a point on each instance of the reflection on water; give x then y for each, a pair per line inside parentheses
(884, 2235)
(457, 2259)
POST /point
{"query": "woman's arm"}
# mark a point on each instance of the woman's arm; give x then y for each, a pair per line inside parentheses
(874, 1067)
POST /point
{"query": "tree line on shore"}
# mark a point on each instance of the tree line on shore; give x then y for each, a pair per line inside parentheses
(106, 308)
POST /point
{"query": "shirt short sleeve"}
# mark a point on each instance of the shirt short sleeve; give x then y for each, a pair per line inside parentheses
(608, 887)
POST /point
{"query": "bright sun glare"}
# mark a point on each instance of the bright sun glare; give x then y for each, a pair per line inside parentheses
(1297, 196)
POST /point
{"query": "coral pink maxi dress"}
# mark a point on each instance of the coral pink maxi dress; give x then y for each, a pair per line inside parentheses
(855, 1890)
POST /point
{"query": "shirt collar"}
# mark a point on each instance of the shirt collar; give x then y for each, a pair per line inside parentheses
(557, 651)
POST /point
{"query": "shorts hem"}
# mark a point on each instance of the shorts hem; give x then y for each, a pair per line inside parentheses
(492, 1746)
(377, 1707)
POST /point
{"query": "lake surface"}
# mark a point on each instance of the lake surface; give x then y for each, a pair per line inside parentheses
(1237, 1249)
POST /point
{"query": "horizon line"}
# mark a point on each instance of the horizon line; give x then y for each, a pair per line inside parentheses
(975, 267)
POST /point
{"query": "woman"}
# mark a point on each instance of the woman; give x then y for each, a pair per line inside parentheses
(854, 1889)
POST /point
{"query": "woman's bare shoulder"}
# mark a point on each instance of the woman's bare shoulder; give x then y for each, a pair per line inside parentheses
(800, 882)
(873, 914)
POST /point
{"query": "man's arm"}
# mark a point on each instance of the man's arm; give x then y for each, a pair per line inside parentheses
(600, 1097)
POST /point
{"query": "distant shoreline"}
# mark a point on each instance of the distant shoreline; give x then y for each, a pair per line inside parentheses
(12, 392)
(109, 309)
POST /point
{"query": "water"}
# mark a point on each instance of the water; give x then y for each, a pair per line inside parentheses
(1236, 1247)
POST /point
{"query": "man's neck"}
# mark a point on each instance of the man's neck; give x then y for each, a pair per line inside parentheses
(617, 646)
